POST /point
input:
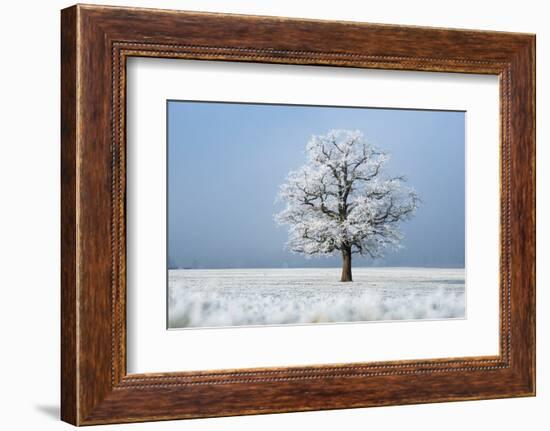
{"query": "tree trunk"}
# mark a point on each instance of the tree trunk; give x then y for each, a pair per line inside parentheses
(346, 265)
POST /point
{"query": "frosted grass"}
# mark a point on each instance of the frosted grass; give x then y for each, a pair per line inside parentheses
(237, 297)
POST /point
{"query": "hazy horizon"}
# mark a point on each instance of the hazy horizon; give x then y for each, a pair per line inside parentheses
(338, 265)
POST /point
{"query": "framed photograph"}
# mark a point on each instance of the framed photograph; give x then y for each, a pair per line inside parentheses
(264, 214)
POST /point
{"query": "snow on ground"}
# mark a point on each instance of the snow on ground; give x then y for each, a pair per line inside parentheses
(235, 297)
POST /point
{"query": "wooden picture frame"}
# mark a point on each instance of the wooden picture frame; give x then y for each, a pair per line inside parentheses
(95, 43)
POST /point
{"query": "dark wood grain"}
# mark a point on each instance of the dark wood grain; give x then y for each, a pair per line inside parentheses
(68, 218)
(96, 41)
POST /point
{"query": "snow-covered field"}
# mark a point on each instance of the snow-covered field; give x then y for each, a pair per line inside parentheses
(235, 297)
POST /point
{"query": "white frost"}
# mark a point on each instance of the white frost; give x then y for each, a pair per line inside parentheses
(235, 297)
(342, 199)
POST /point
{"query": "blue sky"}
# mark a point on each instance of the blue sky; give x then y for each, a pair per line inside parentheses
(226, 162)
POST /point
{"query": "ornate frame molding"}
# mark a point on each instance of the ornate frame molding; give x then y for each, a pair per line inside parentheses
(96, 41)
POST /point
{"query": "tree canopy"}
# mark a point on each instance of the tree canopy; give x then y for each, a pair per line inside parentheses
(343, 200)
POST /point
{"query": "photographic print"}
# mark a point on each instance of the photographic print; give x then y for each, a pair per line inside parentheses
(298, 214)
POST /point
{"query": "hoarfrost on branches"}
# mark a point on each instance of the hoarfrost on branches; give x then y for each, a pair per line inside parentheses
(342, 200)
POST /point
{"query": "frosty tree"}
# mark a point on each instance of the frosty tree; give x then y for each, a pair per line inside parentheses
(342, 201)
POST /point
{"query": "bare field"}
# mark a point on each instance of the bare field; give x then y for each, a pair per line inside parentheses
(238, 297)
